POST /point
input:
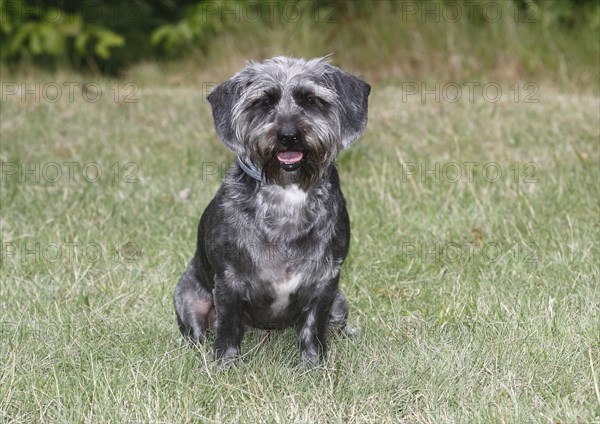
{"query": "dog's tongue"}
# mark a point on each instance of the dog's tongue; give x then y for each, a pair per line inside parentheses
(290, 157)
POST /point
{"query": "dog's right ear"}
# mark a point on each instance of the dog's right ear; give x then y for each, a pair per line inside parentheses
(222, 100)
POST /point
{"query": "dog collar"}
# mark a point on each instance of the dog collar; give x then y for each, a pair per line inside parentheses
(251, 170)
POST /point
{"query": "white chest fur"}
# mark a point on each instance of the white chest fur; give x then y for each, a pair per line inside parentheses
(284, 200)
(283, 290)
(293, 195)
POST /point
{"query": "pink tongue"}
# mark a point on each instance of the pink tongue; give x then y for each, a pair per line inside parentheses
(290, 157)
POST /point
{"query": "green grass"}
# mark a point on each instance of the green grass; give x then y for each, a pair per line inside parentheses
(508, 332)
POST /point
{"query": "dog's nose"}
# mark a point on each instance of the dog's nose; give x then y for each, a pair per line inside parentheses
(288, 135)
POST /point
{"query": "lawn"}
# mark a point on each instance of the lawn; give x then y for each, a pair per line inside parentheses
(473, 271)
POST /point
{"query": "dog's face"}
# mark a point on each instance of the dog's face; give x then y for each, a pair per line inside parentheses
(290, 117)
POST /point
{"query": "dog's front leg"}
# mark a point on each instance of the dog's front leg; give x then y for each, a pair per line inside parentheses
(313, 327)
(230, 322)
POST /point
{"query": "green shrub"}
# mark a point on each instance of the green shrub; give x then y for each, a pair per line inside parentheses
(52, 34)
(108, 36)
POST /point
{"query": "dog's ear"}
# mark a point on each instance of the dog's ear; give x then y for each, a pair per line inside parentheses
(222, 100)
(353, 95)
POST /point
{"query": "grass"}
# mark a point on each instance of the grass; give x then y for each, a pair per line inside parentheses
(478, 301)
(477, 293)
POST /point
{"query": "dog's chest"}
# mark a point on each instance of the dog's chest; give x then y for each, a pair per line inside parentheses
(279, 294)
(280, 208)
(284, 275)
(289, 247)
(282, 291)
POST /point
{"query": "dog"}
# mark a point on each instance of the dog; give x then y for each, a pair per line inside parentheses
(271, 243)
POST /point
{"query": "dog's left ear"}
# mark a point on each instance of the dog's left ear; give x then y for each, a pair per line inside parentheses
(353, 95)
(222, 99)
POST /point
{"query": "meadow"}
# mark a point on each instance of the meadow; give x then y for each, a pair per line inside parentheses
(473, 271)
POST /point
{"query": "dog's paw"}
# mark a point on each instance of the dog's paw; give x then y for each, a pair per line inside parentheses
(310, 357)
(225, 364)
(225, 359)
(309, 363)
(351, 332)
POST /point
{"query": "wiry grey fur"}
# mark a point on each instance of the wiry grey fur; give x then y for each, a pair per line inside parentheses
(269, 250)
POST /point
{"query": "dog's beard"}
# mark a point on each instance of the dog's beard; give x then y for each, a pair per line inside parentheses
(307, 174)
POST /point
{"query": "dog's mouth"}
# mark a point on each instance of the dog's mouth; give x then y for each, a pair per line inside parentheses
(290, 160)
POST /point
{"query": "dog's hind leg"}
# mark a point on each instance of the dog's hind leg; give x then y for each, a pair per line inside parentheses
(194, 307)
(338, 316)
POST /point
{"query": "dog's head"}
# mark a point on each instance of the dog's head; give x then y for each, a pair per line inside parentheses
(290, 117)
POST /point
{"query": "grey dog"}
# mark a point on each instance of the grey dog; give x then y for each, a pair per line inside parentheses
(271, 243)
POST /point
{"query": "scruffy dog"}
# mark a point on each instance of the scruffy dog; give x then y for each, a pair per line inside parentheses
(271, 243)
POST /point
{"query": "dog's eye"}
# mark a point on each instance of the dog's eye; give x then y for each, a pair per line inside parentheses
(268, 100)
(308, 100)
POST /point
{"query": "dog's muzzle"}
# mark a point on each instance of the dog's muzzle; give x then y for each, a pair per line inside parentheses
(290, 156)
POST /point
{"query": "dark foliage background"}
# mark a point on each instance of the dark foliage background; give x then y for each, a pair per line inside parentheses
(107, 36)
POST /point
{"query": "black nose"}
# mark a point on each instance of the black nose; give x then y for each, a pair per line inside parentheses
(288, 135)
